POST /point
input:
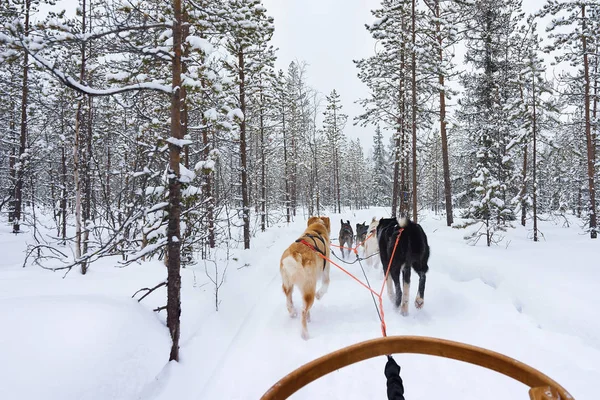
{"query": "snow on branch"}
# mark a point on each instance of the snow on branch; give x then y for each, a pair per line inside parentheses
(73, 83)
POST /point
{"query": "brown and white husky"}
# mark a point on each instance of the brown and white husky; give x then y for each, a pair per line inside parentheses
(303, 265)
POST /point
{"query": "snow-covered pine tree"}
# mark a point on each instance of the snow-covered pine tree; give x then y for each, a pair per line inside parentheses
(381, 183)
(487, 89)
(247, 28)
(386, 75)
(533, 113)
(577, 45)
(443, 20)
(333, 127)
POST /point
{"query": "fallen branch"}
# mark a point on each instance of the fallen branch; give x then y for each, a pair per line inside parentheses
(150, 290)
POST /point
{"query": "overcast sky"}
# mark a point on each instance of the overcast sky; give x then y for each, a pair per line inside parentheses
(328, 35)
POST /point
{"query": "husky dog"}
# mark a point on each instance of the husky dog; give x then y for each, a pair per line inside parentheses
(372, 245)
(346, 237)
(412, 252)
(361, 233)
(302, 265)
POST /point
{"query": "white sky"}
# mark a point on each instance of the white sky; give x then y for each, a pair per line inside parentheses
(328, 35)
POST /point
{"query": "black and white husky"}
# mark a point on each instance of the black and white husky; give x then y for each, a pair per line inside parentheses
(412, 251)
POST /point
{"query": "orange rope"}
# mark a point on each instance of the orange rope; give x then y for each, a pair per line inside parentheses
(380, 294)
(354, 249)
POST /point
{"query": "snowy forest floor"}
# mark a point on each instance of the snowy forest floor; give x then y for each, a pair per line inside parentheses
(83, 337)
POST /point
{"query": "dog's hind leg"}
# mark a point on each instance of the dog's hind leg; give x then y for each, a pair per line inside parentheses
(289, 302)
(324, 282)
(420, 300)
(395, 275)
(406, 271)
(288, 285)
(390, 288)
(309, 299)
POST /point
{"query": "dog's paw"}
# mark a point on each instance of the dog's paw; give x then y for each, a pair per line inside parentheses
(320, 293)
(404, 309)
(293, 313)
(419, 302)
(305, 335)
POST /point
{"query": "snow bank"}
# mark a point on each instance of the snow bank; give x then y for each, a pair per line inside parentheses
(78, 347)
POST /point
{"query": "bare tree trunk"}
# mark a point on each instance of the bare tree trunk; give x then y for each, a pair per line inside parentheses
(87, 182)
(243, 155)
(77, 151)
(286, 170)
(63, 198)
(534, 161)
(20, 163)
(263, 161)
(173, 229)
(445, 157)
(208, 189)
(414, 113)
(336, 163)
(588, 132)
(294, 177)
(524, 188)
(396, 183)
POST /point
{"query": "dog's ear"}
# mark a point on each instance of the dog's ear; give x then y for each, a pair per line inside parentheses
(348, 221)
(342, 221)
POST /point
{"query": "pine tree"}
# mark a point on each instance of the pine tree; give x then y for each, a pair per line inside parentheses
(576, 46)
(482, 111)
(381, 171)
(333, 126)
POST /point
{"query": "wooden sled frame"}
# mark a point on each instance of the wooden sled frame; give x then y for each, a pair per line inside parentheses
(541, 386)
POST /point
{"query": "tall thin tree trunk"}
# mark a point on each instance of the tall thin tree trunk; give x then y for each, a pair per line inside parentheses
(77, 151)
(87, 181)
(588, 131)
(243, 153)
(208, 189)
(286, 169)
(414, 112)
(173, 227)
(396, 183)
(63, 197)
(534, 161)
(263, 161)
(445, 157)
(336, 164)
(524, 188)
(20, 162)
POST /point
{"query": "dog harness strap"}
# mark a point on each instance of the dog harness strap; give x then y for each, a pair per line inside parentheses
(315, 247)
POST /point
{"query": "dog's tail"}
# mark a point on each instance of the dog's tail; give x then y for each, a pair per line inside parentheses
(404, 222)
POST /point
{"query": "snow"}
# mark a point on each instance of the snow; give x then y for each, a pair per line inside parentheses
(198, 43)
(83, 337)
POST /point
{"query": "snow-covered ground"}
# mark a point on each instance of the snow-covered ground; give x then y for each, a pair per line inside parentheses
(83, 337)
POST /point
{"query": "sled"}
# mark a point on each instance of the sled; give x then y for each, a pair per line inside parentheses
(541, 386)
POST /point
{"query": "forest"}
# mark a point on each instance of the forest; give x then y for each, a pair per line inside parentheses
(159, 129)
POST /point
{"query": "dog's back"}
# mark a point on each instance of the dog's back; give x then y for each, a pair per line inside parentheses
(411, 252)
(417, 247)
